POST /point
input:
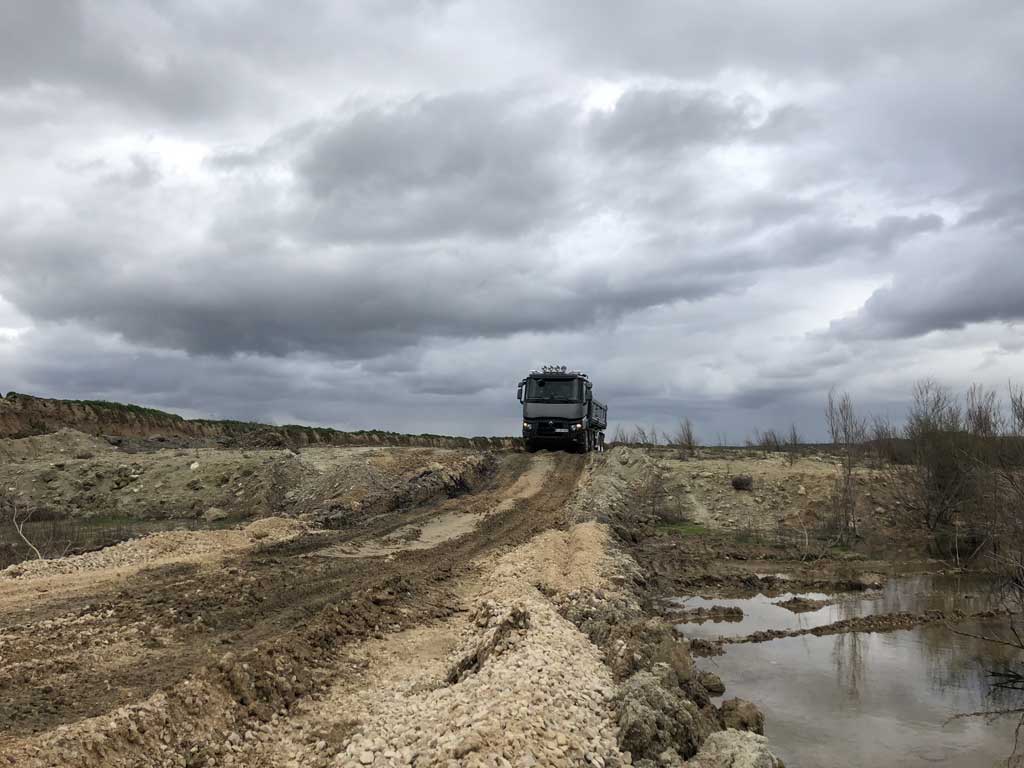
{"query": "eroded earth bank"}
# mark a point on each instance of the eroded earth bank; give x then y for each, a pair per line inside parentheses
(361, 606)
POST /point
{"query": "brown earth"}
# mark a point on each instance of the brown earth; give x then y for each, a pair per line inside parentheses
(135, 428)
(392, 606)
(73, 475)
(80, 645)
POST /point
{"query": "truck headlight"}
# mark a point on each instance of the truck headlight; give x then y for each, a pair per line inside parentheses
(526, 425)
(578, 425)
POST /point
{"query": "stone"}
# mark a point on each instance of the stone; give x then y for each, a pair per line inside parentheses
(735, 749)
(743, 482)
(712, 683)
(742, 715)
(213, 514)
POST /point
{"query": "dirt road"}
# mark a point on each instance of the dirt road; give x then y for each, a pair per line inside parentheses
(77, 646)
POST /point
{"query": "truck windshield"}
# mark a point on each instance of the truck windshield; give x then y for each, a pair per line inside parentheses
(566, 390)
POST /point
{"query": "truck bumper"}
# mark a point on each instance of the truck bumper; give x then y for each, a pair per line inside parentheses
(548, 435)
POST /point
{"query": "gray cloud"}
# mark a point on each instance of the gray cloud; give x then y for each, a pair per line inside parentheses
(654, 122)
(94, 51)
(433, 167)
(338, 213)
(1002, 209)
(951, 292)
(660, 121)
(279, 303)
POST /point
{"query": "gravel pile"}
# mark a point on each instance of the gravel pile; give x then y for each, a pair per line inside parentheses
(529, 688)
(541, 697)
(161, 546)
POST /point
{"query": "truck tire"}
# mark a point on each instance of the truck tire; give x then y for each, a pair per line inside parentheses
(531, 447)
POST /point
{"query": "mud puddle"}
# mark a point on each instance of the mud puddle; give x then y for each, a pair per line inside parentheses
(870, 698)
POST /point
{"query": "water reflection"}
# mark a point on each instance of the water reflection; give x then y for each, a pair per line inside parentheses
(911, 594)
(873, 699)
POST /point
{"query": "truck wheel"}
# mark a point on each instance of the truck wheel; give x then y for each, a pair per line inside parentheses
(531, 447)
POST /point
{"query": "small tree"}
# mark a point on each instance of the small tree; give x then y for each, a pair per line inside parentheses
(18, 514)
(939, 478)
(793, 443)
(685, 438)
(847, 433)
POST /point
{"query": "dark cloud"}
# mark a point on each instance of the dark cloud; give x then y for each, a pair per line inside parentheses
(660, 121)
(361, 305)
(657, 122)
(950, 292)
(1001, 209)
(381, 214)
(434, 167)
(95, 51)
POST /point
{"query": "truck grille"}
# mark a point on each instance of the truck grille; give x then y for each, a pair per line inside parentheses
(551, 427)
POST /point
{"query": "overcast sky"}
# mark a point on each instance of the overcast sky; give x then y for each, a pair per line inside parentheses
(384, 214)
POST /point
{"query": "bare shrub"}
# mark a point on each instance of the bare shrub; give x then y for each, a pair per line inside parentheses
(620, 437)
(685, 438)
(941, 476)
(644, 436)
(848, 433)
(652, 491)
(884, 440)
(18, 514)
(793, 443)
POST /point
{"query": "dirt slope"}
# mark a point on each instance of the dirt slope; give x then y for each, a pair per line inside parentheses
(137, 427)
(73, 475)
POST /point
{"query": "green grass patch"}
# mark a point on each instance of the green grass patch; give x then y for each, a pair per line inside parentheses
(681, 528)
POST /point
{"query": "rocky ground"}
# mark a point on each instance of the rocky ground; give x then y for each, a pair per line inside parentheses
(391, 606)
(74, 475)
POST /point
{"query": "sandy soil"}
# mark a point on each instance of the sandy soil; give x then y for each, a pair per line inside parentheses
(70, 474)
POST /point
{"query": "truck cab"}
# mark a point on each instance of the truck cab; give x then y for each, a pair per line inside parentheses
(559, 411)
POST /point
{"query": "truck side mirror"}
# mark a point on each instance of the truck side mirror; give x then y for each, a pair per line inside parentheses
(519, 393)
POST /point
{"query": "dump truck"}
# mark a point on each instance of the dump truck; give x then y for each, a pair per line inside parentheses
(559, 411)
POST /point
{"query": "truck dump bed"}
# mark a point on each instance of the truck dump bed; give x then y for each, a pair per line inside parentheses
(598, 414)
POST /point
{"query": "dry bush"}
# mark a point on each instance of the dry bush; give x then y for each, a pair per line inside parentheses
(17, 513)
(685, 439)
(652, 492)
(793, 443)
(848, 433)
(768, 441)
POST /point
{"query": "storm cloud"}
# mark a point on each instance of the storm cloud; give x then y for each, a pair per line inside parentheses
(381, 215)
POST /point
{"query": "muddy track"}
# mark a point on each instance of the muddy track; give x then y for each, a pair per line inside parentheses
(87, 653)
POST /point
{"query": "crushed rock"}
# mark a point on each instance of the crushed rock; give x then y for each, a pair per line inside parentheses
(162, 546)
(735, 749)
(530, 688)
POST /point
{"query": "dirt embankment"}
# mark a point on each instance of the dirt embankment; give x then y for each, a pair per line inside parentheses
(69, 474)
(137, 428)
